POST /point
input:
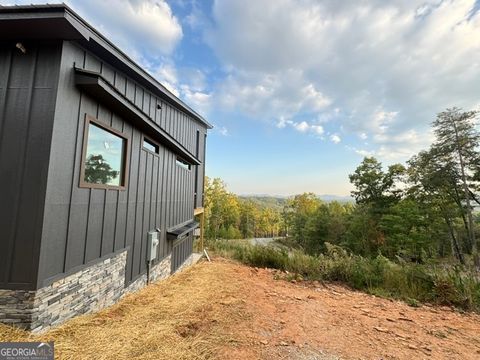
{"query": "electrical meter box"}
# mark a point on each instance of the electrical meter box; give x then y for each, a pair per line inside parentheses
(152, 245)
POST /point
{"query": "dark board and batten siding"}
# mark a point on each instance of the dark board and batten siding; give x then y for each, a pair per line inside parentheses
(82, 225)
(181, 251)
(28, 87)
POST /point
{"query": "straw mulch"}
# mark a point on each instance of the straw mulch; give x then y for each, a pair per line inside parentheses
(188, 316)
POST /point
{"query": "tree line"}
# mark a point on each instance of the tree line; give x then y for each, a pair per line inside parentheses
(229, 216)
(421, 210)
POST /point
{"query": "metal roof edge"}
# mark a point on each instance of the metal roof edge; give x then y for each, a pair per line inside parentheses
(91, 34)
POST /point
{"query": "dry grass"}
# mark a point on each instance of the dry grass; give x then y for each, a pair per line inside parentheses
(183, 317)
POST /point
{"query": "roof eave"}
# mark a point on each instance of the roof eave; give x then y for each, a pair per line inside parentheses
(89, 37)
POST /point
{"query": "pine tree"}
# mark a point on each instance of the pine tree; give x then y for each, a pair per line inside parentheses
(457, 141)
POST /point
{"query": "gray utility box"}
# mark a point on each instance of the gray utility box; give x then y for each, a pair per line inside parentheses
(152, 245)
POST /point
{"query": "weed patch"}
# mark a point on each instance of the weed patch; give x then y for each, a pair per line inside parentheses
(410, 282)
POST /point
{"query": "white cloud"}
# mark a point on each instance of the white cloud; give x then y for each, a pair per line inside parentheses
(389, 66)
(147, 27)
(198, 100)
(302, 126)
(318, 129)
(335, 138)
(268, 96)
(222, 130)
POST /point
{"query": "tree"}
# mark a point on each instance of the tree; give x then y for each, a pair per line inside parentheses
(298, 211)
(375, 187)
(249, 215)
(98, 171)
(433, 183)
(457, 141)
(222, 209)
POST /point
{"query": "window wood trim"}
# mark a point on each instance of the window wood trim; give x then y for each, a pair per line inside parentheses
(83, 184)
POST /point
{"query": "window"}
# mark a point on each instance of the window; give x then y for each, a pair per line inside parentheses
(150, 145)
(104, 160)
(183, 163)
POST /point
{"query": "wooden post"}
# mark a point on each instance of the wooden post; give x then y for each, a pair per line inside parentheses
(202, 224)
(200, 212)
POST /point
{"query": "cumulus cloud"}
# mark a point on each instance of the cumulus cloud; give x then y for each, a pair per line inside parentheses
(335, 138)
(268, 96)
(148, 26)
(302, 127)
(389, 66)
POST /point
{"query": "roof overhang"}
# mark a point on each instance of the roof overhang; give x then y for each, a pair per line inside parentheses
(59, 22)
(98, 87)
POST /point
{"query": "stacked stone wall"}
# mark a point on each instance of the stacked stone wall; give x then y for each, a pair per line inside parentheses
(90, 289)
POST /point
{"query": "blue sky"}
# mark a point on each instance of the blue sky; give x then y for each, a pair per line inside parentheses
(300, 90)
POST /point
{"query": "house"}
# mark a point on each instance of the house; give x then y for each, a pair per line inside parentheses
(101, 170)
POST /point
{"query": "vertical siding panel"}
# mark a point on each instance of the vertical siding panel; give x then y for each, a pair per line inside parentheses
(191, 135)
(146, 209)
(173, 122)
(122, 200)
(186, 132)
(16, 123)
(163, 199)
(176, 124)
(120, 83)
(104, 115)
(173, 198)
(79, 198)
(139, 93)
(132, 196)
(95, 224)
(146, 103)
(179, 191)
(180, 128)
(109, 221)
(108, 73)
(163, 115)
(138, 236)
(186, 176)
(130, 90)
(186, 197)
(168, 121)
(92, 63)
(5, 72)
(153, 110)
(154, 196)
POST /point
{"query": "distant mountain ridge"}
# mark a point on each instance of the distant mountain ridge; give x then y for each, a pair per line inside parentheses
(323, 197)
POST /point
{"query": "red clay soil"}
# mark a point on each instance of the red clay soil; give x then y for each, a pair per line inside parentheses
(316, 321)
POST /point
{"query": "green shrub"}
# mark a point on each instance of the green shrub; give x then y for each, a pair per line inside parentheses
(413, 283)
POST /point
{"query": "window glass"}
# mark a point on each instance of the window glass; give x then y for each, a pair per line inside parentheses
(150, 146)
(183, 163)
(104, 157)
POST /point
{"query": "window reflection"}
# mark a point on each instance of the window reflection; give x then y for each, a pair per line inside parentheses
(104, 157)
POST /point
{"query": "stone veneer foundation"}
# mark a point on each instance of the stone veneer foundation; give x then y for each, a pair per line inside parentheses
(87, 290)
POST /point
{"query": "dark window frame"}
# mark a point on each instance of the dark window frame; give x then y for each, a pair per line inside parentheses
(126, 151)
(184, 164)
(152, 142)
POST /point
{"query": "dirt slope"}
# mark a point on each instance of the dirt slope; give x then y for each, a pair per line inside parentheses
(228, 311)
